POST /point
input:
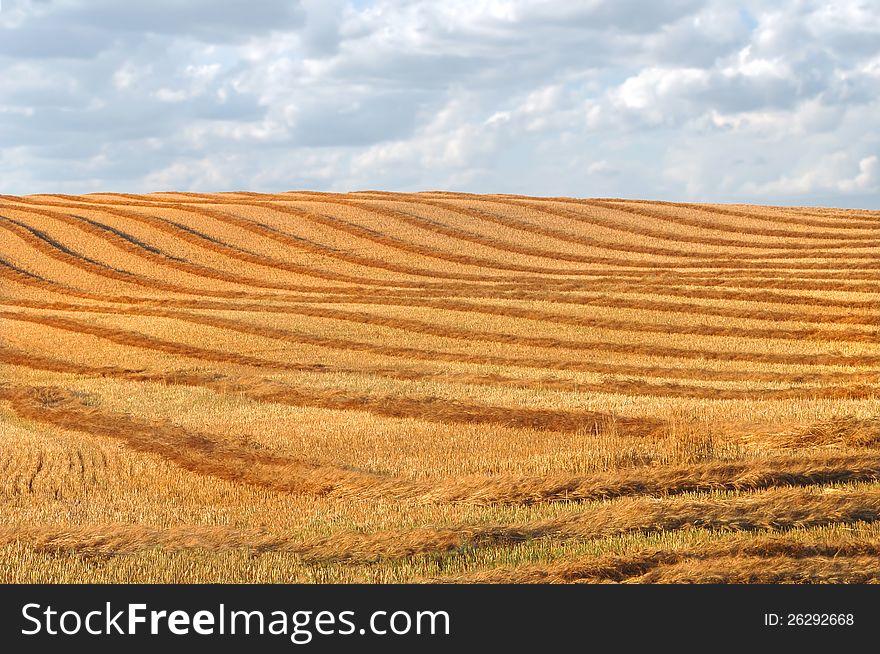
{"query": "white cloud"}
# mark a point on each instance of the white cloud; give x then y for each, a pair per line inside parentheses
(168, 95)
(699, 99)
(828, 175)
(602, 167)
(868, 178)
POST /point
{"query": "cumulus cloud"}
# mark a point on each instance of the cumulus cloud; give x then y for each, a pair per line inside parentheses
(831, 174)
(761, 101)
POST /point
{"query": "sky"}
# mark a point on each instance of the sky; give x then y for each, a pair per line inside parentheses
(692, 100)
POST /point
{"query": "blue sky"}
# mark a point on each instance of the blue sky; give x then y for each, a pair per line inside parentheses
(702, 100)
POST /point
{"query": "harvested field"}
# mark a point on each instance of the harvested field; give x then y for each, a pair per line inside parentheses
(437, 387)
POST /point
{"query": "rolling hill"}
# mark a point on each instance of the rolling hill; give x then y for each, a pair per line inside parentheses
(384, 387)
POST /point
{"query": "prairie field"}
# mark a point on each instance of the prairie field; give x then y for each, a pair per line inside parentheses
(436, 387)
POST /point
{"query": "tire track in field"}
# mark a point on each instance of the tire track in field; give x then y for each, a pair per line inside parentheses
(796, 250)
(780, 509)
(870, 220)
(50, 471)
(14, 274)
(691, 292)
(619, 568)
(628, 386)
(741, 267)
(96, 268)
(854, 562)
(289, 240)
(767, 570)
(632, 229)
(329, 221)
(365, 233)
(59, 252)
(291, 336)
(430, 408)
(120, 539)
(706, 224)
(820, 284)
(457, 304)
(371, 235)
(131, 245)
(421, 199)
(846, 240)
(356, 230)
(851, 242)
(750, 261)
(21, 276)
(517, 292)
(708, 208)
(604, 301)
(201, 240)
(196, 270)
(27, 278)
(266, 231)
(442, 229)
(64, 254)
(856, 385)
(849, 223)
(210, 455)
(446, 331)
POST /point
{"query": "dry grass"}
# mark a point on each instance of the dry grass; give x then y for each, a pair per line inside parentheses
(381, 387)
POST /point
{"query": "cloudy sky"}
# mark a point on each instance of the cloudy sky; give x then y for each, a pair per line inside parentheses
(766, 102)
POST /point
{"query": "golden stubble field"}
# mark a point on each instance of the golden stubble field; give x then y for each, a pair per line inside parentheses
(380, 387)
